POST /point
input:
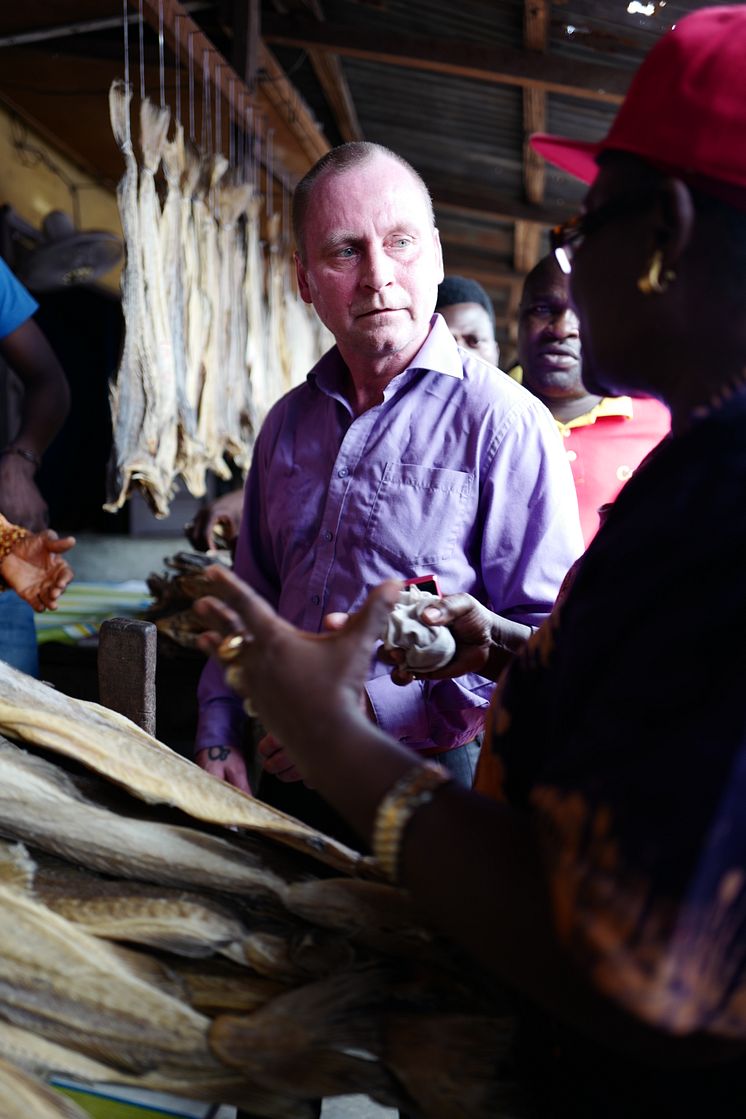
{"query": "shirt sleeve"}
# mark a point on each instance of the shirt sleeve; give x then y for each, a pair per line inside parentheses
(221, 719)
(16, 304)
(530, 536)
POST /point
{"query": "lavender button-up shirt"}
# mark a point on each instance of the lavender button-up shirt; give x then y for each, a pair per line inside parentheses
(457, 473)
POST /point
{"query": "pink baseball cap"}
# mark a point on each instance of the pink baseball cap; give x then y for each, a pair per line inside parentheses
(684, 112)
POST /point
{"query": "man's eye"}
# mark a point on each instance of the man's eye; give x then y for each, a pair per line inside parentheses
(347, 251)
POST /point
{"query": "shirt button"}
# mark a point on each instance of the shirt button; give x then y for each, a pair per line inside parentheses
(328, 535)
(624, 473)
(343, 472)
(315, 599)
(571, 456)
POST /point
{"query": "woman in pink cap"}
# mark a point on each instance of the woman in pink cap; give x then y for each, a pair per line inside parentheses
(600, 872)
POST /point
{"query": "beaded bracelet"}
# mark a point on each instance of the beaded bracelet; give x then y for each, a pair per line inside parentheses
(415, 789)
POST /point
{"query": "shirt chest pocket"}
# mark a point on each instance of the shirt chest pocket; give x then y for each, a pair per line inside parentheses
(419, 514)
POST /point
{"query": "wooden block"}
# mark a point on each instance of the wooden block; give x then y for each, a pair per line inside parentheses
(126, 669)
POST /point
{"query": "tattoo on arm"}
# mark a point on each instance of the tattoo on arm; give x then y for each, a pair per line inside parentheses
(218, 753)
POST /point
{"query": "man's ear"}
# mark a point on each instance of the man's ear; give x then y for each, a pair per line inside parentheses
(302, 278)
(439, 252)
(675, 219)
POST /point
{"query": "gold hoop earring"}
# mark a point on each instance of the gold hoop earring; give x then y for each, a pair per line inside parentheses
(655, 282)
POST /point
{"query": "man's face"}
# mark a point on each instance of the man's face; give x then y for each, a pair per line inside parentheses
(372, 261)
(549, 337)
(472, 328)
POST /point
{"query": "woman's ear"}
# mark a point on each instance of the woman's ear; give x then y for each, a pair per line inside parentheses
(675, 220)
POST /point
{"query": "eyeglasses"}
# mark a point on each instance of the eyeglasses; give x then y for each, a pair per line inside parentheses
(566, 239)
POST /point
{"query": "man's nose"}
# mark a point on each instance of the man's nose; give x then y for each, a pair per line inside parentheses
(378, 271)
(564, 324)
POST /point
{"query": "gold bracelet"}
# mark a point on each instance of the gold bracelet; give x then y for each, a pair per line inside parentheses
(415, 789)
(10, 534)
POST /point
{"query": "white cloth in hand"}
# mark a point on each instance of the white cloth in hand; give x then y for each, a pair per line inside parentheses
(426, 647)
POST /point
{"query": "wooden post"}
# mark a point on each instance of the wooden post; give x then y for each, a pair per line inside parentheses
(126, 669)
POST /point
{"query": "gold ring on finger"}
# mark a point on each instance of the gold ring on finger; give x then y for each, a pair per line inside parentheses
(232, 647)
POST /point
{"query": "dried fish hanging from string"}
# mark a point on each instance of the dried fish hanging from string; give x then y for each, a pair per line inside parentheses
(256, 309)
(197, 310)
(144, 438)
(278, 347)
(299, 329)
(210, 424)
(237, 404)
(133, 393)
(173, 246)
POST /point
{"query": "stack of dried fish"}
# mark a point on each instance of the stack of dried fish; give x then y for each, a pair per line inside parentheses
(174, 594)
(210, 340)
(162, 929)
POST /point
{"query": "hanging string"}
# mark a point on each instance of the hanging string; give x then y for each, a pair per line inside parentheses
(126, 24)
(161, 59)
(257, 158)
(285, 227)
(218, 109)
(190, 66)
(206, 106)
(268, 170)
(142, 56)
(231, 147)
(177, 33)
(241, 136)
(251, 147)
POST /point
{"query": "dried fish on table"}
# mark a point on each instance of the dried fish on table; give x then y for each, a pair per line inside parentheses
(70, 987)
(40, 1057)
(321, 1038)
(75, 828)
(111, 745)
(24, 1097)
(171, 920)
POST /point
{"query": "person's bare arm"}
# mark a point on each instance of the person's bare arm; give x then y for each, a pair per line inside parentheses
(473, 865)
(46, 402)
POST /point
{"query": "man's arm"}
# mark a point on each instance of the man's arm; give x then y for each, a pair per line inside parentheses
(46, 402)
(529, 537)
(221, 720)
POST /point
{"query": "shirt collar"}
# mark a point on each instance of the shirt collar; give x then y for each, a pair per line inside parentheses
(619, 407)
(439, 353)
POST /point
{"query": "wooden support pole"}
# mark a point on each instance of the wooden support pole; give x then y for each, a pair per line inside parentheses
(126, 669)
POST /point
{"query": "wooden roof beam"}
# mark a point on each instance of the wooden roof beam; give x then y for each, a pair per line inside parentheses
(298, 140)
(471, 201)
(535, 38)
(493, 64)
(328, 70)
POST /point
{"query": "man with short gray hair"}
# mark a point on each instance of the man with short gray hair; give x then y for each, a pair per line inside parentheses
(401, 455)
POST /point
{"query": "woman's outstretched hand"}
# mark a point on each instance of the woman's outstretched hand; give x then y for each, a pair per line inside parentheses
(302, 686)
(35, 570)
